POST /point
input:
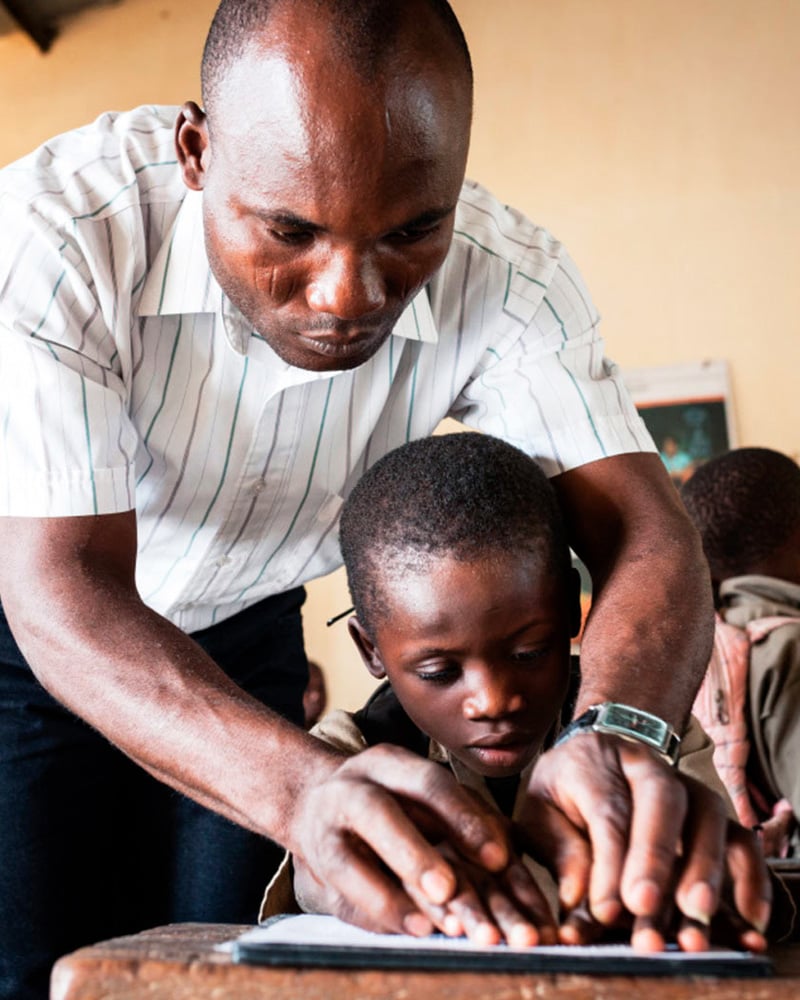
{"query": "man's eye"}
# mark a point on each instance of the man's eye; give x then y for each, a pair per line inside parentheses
(293, 237)
(413, 234)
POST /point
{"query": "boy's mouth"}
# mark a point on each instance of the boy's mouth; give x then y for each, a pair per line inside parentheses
(502, 754)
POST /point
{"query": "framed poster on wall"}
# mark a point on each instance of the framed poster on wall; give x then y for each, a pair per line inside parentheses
(688, 410)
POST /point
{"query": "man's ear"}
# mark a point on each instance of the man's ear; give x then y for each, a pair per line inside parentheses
(574, 597)
(366, 647)
(191, 145)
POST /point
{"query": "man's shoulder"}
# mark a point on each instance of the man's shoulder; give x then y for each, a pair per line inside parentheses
(120, 158)
(502, 232)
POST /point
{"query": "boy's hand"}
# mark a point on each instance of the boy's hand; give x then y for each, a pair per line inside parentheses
(627, 833)
(490, 907)
(360, 836)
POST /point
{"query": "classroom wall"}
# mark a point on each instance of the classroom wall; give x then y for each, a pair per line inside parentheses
(658, 140)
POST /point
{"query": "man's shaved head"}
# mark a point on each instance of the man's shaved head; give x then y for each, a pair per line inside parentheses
(365, 33)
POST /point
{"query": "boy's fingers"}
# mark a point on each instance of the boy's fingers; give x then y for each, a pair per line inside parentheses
(582, 779)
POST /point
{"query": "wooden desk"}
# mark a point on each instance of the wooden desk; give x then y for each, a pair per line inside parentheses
(178, 963)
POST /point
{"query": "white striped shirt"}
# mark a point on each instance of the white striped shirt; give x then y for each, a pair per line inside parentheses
(128, 380)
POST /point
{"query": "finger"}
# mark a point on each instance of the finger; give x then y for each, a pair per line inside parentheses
(518, 907)
(468, 909)
(529, 909)
(372, 899)
(751, 889)
(659, 801)
(545, 833)
(470, 826)
(579, 926)
(647, 935)
(703, 865)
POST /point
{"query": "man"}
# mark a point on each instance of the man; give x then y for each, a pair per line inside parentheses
(199, 358)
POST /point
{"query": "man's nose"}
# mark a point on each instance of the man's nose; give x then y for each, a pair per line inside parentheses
(492, 695)
(347, 285)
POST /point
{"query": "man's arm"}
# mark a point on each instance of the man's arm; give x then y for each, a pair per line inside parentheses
(68, 590)
(646, 644)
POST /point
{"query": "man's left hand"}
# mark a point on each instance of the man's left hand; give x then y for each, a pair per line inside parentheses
(629, 836)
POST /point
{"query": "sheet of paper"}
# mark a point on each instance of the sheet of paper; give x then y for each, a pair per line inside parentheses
(308, 938)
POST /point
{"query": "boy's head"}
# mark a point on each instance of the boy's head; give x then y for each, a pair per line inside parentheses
(460, 574)
(746, 506)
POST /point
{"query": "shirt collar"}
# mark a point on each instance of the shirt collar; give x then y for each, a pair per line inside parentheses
(180, 281)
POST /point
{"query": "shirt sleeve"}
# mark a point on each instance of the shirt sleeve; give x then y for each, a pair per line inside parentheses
(67, 446)
(546, 385)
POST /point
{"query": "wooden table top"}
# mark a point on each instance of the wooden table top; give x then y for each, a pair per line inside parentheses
(178, 962)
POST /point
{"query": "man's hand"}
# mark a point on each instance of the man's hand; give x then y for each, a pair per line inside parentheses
(630, 837)
(363, 852)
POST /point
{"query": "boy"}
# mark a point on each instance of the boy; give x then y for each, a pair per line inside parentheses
(746, 505)
(465, 604)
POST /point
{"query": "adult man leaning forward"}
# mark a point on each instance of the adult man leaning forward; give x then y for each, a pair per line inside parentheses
(181, 418)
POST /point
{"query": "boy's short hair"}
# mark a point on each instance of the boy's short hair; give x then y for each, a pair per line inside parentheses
(462, 495)
(746, 505)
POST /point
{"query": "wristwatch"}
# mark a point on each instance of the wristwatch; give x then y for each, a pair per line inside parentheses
(629, 723)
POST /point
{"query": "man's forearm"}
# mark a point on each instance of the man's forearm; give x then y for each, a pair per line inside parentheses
(154, 693)
(648, 636)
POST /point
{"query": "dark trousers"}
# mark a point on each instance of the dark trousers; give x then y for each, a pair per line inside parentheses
(91, 846)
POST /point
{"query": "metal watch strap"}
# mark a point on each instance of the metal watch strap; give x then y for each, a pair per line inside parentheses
(630, 724)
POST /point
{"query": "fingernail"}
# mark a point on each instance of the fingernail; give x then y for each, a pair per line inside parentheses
(762, 920)
(569, 892)
(417, 924)
(436, 886)
(522, 936)
(645, 897)
(485, 934)
(493, 856)
(699, 903)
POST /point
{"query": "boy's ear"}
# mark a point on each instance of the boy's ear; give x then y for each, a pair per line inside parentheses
(366, 647)
(574, 597)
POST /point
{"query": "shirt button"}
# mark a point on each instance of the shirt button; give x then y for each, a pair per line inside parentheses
(258, 486)
(222, 561)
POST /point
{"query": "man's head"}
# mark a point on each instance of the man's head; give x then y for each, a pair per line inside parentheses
(331, 154)
(746, 506)
(459, 570)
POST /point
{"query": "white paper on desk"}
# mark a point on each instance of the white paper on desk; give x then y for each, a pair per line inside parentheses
(311, 937)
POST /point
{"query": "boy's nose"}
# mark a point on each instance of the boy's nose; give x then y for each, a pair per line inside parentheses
(492, 696)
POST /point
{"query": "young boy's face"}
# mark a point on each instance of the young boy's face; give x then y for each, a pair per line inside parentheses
(477, 653)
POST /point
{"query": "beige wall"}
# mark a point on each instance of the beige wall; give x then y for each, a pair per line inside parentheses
(659, 140)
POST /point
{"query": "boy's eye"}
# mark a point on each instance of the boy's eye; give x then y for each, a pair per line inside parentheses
(439, 675)
(529, 655)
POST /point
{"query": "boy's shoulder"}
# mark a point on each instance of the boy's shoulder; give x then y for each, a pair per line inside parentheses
(384, 720)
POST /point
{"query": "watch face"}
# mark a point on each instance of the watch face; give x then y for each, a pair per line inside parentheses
(628, 720)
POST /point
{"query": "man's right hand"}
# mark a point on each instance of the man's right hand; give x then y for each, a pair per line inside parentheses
(363, 852)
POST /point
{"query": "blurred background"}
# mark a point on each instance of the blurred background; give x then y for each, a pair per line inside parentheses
(659, 141)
